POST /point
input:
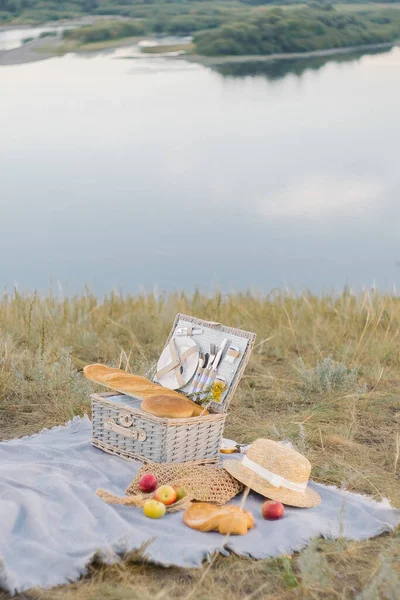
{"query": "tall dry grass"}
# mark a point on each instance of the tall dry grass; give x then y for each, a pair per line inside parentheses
(324, 374)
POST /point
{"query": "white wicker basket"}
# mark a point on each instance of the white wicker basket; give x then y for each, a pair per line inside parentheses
(120, 426)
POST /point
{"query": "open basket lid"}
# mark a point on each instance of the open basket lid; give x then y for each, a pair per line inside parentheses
(189, 337)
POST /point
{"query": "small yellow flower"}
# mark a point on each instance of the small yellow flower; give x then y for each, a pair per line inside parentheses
(217, 389)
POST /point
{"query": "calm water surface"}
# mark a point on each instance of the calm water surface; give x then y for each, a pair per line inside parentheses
(120, 171)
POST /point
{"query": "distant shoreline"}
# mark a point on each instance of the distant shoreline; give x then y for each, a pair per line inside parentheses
(44, 48)
(221, 60)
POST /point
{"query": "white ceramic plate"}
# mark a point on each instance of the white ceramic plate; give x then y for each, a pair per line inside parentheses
(189, 364)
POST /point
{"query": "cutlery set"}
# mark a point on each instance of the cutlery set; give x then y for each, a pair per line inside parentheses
(195, 358)
(207, 370)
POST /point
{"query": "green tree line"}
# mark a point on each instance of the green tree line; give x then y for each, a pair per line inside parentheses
(299, 30)
(166, 15)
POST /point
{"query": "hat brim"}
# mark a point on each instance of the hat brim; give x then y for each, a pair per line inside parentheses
(308, 499)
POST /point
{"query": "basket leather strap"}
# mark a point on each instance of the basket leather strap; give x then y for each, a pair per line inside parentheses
(175, 365)
(135, 434)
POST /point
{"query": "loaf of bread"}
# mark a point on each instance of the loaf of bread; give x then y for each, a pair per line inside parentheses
(140, 387)
(228, 520)
(163, 406)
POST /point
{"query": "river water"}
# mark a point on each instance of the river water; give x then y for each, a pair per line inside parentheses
(126, 171)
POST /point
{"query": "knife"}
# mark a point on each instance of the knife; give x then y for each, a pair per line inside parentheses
(203, 368)
(215, 364)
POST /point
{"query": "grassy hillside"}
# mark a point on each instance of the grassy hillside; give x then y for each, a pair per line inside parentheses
(343, 412)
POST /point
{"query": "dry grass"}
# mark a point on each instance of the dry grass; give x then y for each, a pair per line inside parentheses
(350, 435)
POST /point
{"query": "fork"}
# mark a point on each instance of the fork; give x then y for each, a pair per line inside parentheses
(199, 372)
(207, 367)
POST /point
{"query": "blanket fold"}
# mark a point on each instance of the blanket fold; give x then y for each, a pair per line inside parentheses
(52, 522)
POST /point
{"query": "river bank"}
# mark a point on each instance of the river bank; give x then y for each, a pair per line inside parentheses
(41, 48)
(211, 61)
(49, 47)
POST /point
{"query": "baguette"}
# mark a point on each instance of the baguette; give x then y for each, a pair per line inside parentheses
(163, 406)
(138, 387)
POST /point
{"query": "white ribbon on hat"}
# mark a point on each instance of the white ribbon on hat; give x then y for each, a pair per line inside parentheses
(272, 478)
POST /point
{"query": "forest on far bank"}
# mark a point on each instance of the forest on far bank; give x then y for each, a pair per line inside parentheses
(167, 15)
(262, 32)
(218, 27)
(299, 30)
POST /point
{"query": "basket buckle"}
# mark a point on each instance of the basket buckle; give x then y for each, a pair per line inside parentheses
(125, 419)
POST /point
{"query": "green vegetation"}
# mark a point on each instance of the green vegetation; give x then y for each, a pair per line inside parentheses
(220, 27)
(169, 16)
(103, 31)
(45, 34)
(178, 15)
(299, 30)
(343, 413)
(259, 31)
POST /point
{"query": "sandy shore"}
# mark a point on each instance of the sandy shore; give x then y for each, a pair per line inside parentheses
(43, 48)
(30, 52)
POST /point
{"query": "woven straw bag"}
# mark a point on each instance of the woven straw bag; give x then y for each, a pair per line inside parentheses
(202, 483)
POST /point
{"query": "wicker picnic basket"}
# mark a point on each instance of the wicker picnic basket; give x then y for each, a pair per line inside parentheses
(120, 427)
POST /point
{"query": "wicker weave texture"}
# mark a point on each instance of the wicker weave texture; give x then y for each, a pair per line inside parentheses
(215, 333)
(194, 440)
(153, 448)
(126, 431)
(140, 499)
(202, 483)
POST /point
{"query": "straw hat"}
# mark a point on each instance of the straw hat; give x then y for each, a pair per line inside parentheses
(275, 471)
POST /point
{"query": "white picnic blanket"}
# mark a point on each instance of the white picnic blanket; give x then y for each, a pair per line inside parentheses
(52, 523)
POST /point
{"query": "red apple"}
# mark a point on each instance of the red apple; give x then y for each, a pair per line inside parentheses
(148, 483)
(165, 494)
(272, 510)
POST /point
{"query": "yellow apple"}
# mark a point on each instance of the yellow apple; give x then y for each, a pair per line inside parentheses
(154, 509)
(165, 494)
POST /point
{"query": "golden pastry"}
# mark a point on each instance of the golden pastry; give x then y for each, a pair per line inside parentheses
(228, 519)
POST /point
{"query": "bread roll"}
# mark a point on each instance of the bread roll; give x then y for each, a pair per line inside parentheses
(136, 386)
(228, 520)
(163, 406)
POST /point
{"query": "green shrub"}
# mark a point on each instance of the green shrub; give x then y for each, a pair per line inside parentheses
(328, 376)
(110, 30)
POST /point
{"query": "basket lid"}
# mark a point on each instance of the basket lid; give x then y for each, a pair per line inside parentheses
(236, 345)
